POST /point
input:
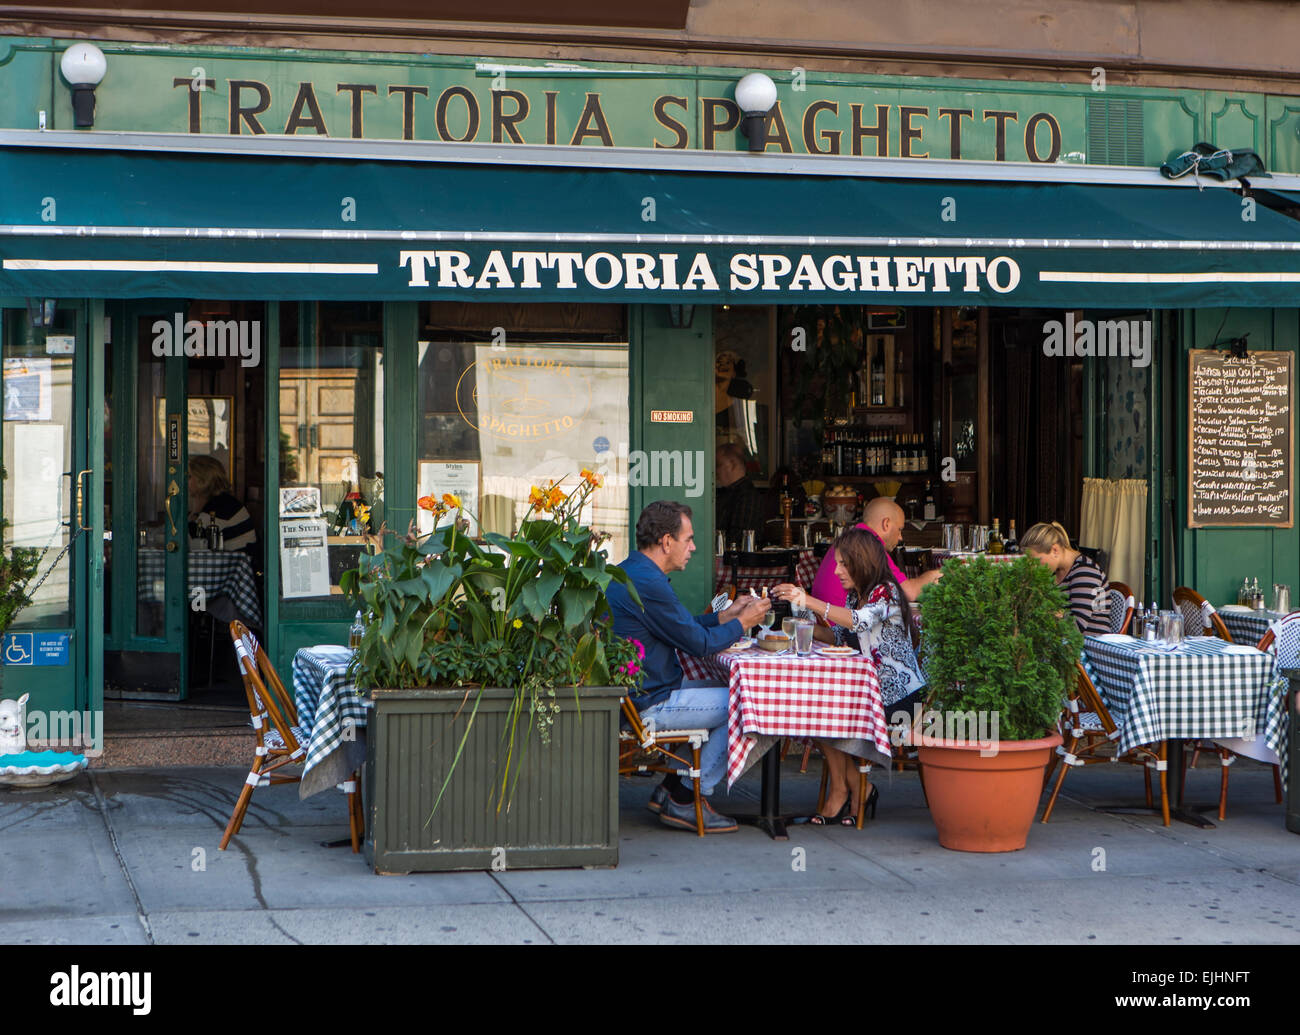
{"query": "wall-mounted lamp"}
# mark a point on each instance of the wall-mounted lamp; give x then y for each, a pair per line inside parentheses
(681, 315)
(83, 66)
(755, 97)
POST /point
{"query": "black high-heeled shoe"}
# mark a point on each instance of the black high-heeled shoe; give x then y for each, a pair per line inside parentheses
(820, 819)
(851, 820)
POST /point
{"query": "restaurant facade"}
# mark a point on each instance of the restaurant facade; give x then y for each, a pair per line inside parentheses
(359, 277)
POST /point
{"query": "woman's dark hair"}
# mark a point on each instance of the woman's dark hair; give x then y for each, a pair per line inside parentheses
(865, 559)
(658, 519)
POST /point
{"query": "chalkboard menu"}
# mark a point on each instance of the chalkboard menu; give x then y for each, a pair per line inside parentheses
(1239, 439)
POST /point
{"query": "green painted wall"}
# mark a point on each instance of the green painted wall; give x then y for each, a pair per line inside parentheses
(1213, 561)
(172, 88)
(672, 368)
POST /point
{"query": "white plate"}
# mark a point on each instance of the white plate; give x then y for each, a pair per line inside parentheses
(838, 652)
(1239, 609)
(744, 643)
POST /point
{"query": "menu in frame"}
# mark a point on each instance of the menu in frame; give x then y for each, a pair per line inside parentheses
(1240, 439)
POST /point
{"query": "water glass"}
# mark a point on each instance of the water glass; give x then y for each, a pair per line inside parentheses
(1171, 627)
(787, 627)
(803, 637)
(1281, 598)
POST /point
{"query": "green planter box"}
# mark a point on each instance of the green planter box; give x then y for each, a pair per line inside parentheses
(565, 806)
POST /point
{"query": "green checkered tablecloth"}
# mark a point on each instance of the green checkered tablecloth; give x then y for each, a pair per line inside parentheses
(1204, 689)
(333, 715)
(1248, 626)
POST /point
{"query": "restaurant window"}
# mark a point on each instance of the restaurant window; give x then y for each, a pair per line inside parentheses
(331, 440)
(744, 383)
(519, 395)
(38, 423)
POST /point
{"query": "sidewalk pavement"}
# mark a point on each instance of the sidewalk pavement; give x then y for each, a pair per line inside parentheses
(130, 856)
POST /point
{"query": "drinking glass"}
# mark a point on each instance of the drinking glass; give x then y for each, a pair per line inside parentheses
(787, 626)
(803, 637)
(1281, 598)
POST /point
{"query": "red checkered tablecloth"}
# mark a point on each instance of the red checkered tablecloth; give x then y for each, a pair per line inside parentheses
(829, 698)
(805, 570)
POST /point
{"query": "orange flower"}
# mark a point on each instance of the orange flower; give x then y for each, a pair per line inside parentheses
(537, 498)
(555, 497)
(591, 478)
(451, 502)
(427, 503)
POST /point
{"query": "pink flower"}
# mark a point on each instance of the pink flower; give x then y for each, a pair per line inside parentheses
(640, 650)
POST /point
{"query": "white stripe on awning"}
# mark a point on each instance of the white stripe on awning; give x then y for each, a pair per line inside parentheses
(183, 266)
(1077, 277)
(451, 237)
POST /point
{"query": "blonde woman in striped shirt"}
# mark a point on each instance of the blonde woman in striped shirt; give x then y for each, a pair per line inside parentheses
(1084, 583)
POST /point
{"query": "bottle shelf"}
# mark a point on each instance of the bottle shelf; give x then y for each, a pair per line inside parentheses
(871, 478)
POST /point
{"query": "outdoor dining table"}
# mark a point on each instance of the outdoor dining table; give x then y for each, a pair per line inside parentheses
(805, 570)
(774, 696)
(332, 714)
(1204, 689)
(1249, 626)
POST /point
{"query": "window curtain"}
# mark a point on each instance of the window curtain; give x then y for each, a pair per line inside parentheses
(1114, 518)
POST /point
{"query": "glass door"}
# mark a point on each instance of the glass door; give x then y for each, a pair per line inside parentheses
(50, 489)
(147, 541)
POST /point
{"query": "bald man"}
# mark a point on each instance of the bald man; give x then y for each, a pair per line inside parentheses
(884, 519)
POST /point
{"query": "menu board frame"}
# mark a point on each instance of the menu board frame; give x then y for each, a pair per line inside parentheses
(1285, 359)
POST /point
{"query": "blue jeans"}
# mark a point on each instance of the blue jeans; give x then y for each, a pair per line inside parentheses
(698, 705)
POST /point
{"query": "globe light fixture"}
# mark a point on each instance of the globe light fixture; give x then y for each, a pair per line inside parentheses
(83, 66)
(755, 97)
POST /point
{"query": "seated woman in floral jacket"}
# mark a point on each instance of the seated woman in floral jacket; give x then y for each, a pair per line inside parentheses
(878, 620)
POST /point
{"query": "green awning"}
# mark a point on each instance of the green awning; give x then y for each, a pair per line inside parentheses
(157, 215)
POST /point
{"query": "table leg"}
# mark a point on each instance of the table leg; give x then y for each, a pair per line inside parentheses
(769, 818)
(1177, 810)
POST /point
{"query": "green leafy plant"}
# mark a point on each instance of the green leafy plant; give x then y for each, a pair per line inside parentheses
(1000, 638)
(525, 612)
(826, 376)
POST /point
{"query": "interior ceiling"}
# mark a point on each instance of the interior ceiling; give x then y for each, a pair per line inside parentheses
(659, 14)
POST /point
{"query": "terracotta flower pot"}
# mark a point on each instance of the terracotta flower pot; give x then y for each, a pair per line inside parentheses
(984, 804)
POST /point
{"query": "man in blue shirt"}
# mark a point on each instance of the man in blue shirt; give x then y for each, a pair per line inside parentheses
(665, 541)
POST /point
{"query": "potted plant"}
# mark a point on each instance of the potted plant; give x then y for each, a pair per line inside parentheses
(496, 680)
(1000, 648)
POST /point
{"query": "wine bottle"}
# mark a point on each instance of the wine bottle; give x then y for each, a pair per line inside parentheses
(1012, 543)
(878, 378)
(996, 545)
(929, 512)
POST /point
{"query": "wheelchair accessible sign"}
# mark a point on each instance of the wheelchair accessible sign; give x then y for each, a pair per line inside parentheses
(36, 648)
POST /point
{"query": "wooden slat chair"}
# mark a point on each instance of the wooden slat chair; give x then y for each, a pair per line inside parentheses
(1122, 605)
(280, 741)
(1199, 616)
(643, 749)
(1091, 731)
(903, 737)
(1282, 638)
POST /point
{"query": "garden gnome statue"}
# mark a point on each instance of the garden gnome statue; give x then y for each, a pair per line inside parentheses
(13, 741)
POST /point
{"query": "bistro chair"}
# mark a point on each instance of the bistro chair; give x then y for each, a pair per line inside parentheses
(642, 749)
(1199, 616)
(280, 740)
(1091, 732)
(1121, 607)
(1282, 639)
